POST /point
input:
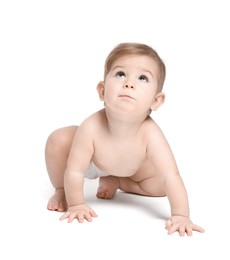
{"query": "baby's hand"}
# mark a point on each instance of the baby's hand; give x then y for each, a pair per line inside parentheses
(182, 225)
(80, 212)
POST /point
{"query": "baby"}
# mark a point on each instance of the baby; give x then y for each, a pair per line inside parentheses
(121, 144)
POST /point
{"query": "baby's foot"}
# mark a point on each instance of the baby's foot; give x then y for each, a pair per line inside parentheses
(58, 201)
(107, 187)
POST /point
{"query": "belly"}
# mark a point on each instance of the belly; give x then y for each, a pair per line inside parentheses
(121, 159)
(120, 168)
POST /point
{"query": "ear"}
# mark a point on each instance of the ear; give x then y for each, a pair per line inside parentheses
(158, 101)
(101, 90)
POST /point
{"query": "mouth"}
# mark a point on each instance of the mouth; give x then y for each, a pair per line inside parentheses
(126, 96)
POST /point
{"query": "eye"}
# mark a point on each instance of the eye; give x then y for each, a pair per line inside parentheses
(144, 78)
(120, 74)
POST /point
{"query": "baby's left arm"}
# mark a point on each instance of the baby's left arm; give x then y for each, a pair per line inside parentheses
(160, 154)
(178, 199)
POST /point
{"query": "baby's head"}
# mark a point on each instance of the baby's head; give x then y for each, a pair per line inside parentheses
(126, 49)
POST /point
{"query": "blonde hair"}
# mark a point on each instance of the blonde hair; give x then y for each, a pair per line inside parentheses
(124, 49)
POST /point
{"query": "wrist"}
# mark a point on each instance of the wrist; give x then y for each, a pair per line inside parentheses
(180, 215)
(70, 205)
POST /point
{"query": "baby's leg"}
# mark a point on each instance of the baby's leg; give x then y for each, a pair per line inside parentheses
(58, 201)
(147, 187)
(107, 187)
(56, 154)
(152, 186)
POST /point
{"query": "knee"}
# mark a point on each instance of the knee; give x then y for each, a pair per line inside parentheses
(59, 140)
(54, 141)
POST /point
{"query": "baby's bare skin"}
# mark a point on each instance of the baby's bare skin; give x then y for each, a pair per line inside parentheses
(106, 190)
(58, 201)
(123, 141)
(107, 187)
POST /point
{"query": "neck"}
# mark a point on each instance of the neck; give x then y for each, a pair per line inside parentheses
(123, 125)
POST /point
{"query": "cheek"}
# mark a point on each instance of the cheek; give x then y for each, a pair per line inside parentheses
(148, 98)
(110, 89)
(147, 93)
(108, 93)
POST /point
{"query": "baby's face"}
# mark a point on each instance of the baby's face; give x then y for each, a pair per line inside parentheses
(131, 84)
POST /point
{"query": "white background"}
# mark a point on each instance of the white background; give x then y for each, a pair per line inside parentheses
(51, 58)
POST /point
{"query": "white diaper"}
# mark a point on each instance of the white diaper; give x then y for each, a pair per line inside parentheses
(93, 172)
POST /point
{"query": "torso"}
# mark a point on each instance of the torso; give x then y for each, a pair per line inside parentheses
(123, 156)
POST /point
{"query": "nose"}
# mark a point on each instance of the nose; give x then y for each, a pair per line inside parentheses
(128, 86)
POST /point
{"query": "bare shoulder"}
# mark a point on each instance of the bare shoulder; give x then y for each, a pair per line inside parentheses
(94, 121)
(87, 130)
(151, 129)
(155, 137)
(158, 148)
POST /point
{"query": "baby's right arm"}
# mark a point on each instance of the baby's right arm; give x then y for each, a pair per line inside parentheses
(78, 161)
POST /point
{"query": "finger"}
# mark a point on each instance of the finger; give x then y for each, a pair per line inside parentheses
(77, 215)
(181, 230)
(173, 228)
(168, 223)
(188, 229)
(80, 218)
(198, 228)
(93, 213)
(64, 216)
(71, 218)
(88, 217)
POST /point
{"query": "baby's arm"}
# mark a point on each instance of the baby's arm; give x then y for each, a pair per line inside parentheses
(178, 199)
(78, 161)
(162, 157)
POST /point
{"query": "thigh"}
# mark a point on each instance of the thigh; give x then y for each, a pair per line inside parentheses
(56, 153)
(153, 186)
(149, 181)
(66, 134)
(61, 140)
